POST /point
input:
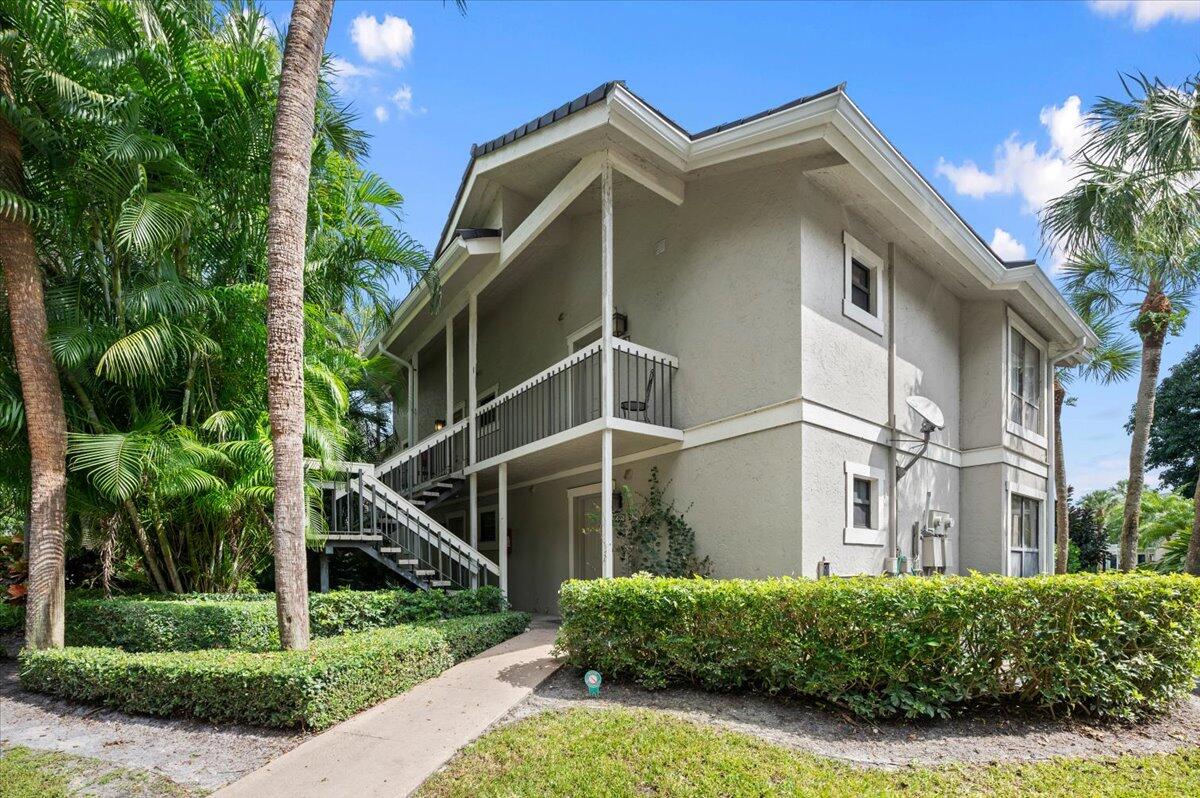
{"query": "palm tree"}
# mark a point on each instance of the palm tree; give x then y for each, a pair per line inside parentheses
(291, 151)
(45, 419)
(1111, 361)
(1133, 224)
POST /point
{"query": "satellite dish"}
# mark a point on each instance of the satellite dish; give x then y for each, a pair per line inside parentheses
(928, 411)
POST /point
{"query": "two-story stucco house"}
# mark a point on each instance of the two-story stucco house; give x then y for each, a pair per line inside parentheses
(748, 309)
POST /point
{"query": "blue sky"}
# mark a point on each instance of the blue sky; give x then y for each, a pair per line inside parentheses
(984, 98)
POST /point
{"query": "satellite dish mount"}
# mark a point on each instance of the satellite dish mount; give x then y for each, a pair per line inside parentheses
(931, 421)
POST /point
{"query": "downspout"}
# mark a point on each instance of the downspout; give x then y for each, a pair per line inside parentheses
(892, 553)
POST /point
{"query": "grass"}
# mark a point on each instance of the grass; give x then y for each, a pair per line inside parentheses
(25, 773)
(616, 752)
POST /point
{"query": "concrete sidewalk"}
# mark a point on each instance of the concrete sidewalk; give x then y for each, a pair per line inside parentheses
(391, 749)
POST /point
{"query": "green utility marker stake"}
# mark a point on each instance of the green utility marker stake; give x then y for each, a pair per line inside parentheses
(592, 680)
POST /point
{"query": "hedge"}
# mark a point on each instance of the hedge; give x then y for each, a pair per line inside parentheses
(333, 680)
(201, 621)
(1117, 646)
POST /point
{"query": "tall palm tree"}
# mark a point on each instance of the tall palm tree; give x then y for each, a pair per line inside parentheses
(45, 419)
(1111, 361)
(287, 218)
(1133, 222)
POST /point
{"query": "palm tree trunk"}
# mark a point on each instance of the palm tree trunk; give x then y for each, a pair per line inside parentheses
(1061, 531)
(1152, 330)
(1193, 552)
(287, 221)
(45, 420)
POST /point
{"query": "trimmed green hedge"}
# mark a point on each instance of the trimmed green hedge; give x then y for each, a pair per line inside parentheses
(1118, 646)
(333, 680)
(202, 621)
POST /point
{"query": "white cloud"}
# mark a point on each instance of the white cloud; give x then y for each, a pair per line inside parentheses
(402, 97)
(390, 40)
(381, 113)
(1021, 167)
(1006, 246)
(1148, 13)
(346, 72)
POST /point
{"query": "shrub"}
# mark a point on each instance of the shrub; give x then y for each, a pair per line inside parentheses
(1117, 646)
(200, 621)
(12, 617)
(334, 679)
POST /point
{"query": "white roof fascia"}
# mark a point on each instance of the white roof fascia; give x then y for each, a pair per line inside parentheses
(834, 117)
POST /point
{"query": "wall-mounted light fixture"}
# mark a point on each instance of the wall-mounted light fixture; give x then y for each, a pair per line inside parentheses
(439, 424)
(620, 325)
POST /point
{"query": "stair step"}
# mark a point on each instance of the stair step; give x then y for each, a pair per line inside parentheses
(425, 572)
(440, 583)
(443, 485)
(357, 537)
(430, 493)
(392, 550)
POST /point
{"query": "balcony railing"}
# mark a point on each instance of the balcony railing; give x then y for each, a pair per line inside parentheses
(437, 457)
(568, 394)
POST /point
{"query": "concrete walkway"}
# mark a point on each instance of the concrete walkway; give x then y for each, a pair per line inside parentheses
(391, 749)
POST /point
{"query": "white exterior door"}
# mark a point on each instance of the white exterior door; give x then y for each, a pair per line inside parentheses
(585, 536)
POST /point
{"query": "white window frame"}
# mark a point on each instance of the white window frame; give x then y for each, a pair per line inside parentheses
(1034, 436)
(582, 332)
(859, 536)
(1040, 496)
(854, 250)
(572, 495)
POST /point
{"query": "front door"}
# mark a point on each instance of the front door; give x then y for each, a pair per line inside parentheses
(584, 390)
(585, 536)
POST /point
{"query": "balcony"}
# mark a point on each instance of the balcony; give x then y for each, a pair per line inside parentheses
(552, 419)
(567, 397)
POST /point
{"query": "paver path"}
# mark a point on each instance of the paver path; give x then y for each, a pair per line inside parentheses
(391, 749)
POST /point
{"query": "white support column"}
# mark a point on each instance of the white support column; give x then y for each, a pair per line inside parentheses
(412, 399)
(450, 371)
(472, 356)
(606, 290)
(502, 526)
(606, 504)
(606, 365)
(473, 523)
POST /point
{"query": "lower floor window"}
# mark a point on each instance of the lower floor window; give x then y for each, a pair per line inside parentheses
(1024, 556)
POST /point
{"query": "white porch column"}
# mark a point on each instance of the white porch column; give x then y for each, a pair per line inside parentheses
(606, 504)
(472, 356)
(473, 523)
(606, 367)
(502, 526)
(412, 399)
(450, 371)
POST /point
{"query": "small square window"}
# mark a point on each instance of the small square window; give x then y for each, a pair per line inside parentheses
(860, 285)
(862, 503)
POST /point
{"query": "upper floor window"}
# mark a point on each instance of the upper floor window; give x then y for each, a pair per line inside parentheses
(863, 296)
(1024, 383)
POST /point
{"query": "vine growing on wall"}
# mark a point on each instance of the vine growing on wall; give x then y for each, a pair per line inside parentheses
(653, 537)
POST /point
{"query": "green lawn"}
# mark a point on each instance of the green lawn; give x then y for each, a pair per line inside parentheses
(585, 752)
(25, 773)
